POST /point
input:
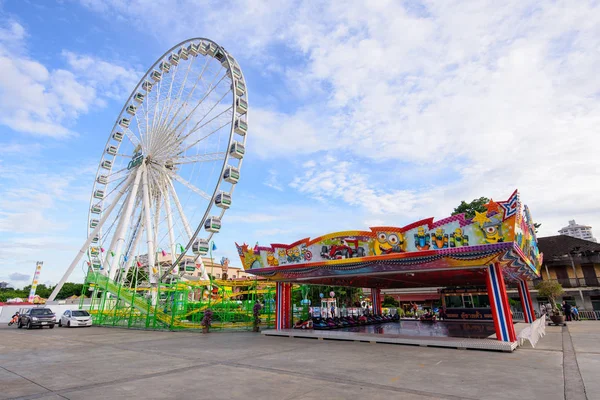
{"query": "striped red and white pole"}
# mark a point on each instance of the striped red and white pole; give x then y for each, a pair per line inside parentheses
(526, 302)
(505, 330)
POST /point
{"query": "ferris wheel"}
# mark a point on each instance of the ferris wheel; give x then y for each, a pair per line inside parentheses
(170, 165)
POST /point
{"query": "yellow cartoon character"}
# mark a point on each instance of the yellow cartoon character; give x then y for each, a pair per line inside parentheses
(439, 239)
(421, 239)
(458, 238)
(271, 260)
(282, 256)
(492, 232)
(389, 242)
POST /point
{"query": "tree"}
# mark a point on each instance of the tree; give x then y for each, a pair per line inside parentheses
(70, 289)
(389, 301)
(551, 290)
(469, 208)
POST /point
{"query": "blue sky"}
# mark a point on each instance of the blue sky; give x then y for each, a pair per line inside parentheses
(360, 114)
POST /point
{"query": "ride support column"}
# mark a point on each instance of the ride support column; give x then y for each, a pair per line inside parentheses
(505, 330)
(283, 295)
(526, 302)
(376, 300)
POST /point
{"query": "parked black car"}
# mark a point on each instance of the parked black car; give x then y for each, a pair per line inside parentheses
(37, 317)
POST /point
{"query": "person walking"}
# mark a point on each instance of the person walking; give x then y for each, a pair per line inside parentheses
(567, 310)
(542, 310)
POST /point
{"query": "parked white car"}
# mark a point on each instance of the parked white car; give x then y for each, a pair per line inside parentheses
(72, 318)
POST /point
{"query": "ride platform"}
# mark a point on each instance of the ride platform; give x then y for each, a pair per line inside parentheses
(461, 343)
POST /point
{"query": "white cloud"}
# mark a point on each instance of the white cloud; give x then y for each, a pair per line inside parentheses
(491, 95)
(273, 181)
(46, 102)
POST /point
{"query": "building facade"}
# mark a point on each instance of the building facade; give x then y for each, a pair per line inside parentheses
(578, 231)
(575, 264)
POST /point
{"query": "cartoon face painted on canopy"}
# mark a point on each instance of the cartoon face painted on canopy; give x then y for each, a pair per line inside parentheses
(492, 232)
(271, 260)
(389, 242)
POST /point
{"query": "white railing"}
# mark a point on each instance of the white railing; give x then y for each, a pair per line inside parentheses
(518, 315)
(593, 315)
(533, 332)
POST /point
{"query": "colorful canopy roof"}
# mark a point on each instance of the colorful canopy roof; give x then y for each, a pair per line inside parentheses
(449, 252)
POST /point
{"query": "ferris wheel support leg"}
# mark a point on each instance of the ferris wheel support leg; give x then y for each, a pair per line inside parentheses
(136, 242)
(171, 231)
(156, 238)
(119, 238)
(149, 236)
(91, 236)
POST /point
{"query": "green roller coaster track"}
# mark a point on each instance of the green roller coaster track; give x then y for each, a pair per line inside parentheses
(114, 304)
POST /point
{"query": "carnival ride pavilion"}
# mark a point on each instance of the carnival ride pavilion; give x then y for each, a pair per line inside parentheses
(495, 248)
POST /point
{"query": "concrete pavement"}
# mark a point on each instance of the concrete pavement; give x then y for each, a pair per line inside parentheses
(95, 363)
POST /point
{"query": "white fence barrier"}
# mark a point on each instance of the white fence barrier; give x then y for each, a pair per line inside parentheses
(518, 315)
(593, 315)
(533, 332)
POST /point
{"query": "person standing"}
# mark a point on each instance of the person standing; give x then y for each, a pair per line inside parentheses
(567, 310)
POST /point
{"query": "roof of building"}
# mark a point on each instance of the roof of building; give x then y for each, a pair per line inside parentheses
(560, 245)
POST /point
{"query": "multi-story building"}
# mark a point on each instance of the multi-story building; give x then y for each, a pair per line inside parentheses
(578, 231)
(575, 264)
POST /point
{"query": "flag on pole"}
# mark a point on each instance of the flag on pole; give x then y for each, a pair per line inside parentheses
(214, 246)
(112, 253)
(256, 247)
(181, 248)
(164, 253)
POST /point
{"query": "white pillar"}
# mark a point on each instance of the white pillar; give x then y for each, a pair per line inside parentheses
(149, 235)
(119, 238)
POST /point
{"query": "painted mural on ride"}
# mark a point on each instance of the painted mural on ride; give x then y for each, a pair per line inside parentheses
(504, 222)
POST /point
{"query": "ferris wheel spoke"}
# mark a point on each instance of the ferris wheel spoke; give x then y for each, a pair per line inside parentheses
(192, 187)
(165, 125)
(161, 125)
(186, 224)
(168, 127)
(220, 156)
(191, 113)
(206, 136)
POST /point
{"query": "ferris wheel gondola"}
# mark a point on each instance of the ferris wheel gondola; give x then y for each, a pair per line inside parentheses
(170, 164)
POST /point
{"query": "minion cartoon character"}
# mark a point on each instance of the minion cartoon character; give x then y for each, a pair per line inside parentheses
(389, 242)
(458, 238)
(439, 239)
(271, 260)
(492, 232)
(421, 239)
(296, 254)
(282, 256)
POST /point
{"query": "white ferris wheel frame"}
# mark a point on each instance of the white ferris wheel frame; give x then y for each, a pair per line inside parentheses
(140, 177)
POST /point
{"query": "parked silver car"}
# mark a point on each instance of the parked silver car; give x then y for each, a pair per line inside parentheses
(75, 318)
